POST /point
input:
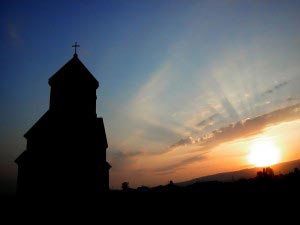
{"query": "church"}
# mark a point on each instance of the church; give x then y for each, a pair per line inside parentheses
(66, 147)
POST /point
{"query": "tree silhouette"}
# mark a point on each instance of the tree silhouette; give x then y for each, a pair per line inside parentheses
(125, 186)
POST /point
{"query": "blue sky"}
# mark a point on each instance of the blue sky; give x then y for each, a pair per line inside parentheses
(168, 71)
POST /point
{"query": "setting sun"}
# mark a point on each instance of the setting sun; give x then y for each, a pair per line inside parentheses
(264, 153)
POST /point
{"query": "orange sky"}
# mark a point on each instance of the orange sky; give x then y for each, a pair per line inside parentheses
(190, 162)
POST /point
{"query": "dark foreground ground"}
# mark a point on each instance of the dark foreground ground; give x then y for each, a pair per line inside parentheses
(266, 196)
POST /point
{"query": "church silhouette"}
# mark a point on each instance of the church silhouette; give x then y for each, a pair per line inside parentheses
(66, 147)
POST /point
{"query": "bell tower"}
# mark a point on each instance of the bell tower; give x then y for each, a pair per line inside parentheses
(66, 147)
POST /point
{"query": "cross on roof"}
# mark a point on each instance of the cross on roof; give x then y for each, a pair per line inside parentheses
(75, 46)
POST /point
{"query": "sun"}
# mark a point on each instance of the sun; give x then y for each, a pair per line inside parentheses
(264, 153)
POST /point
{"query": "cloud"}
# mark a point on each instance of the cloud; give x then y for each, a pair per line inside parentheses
(182, 142)
(209, 121)
(172, 167)
(121, 159)
(149, 112)
(224, 100)
(275, 87)
(144, 107)
(241, 129)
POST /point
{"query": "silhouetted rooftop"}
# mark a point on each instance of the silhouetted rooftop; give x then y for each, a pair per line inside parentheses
(41, 124)
(73, 70)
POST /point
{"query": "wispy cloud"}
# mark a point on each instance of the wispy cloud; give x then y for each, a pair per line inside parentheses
(149, 109)
(241, 129)
(209, 121)
(120, 159)
(275, 87)
(178, 165)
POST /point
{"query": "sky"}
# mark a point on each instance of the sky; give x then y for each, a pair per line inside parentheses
(186, 87)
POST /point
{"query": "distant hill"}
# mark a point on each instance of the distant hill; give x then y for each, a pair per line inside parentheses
(282, 168)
